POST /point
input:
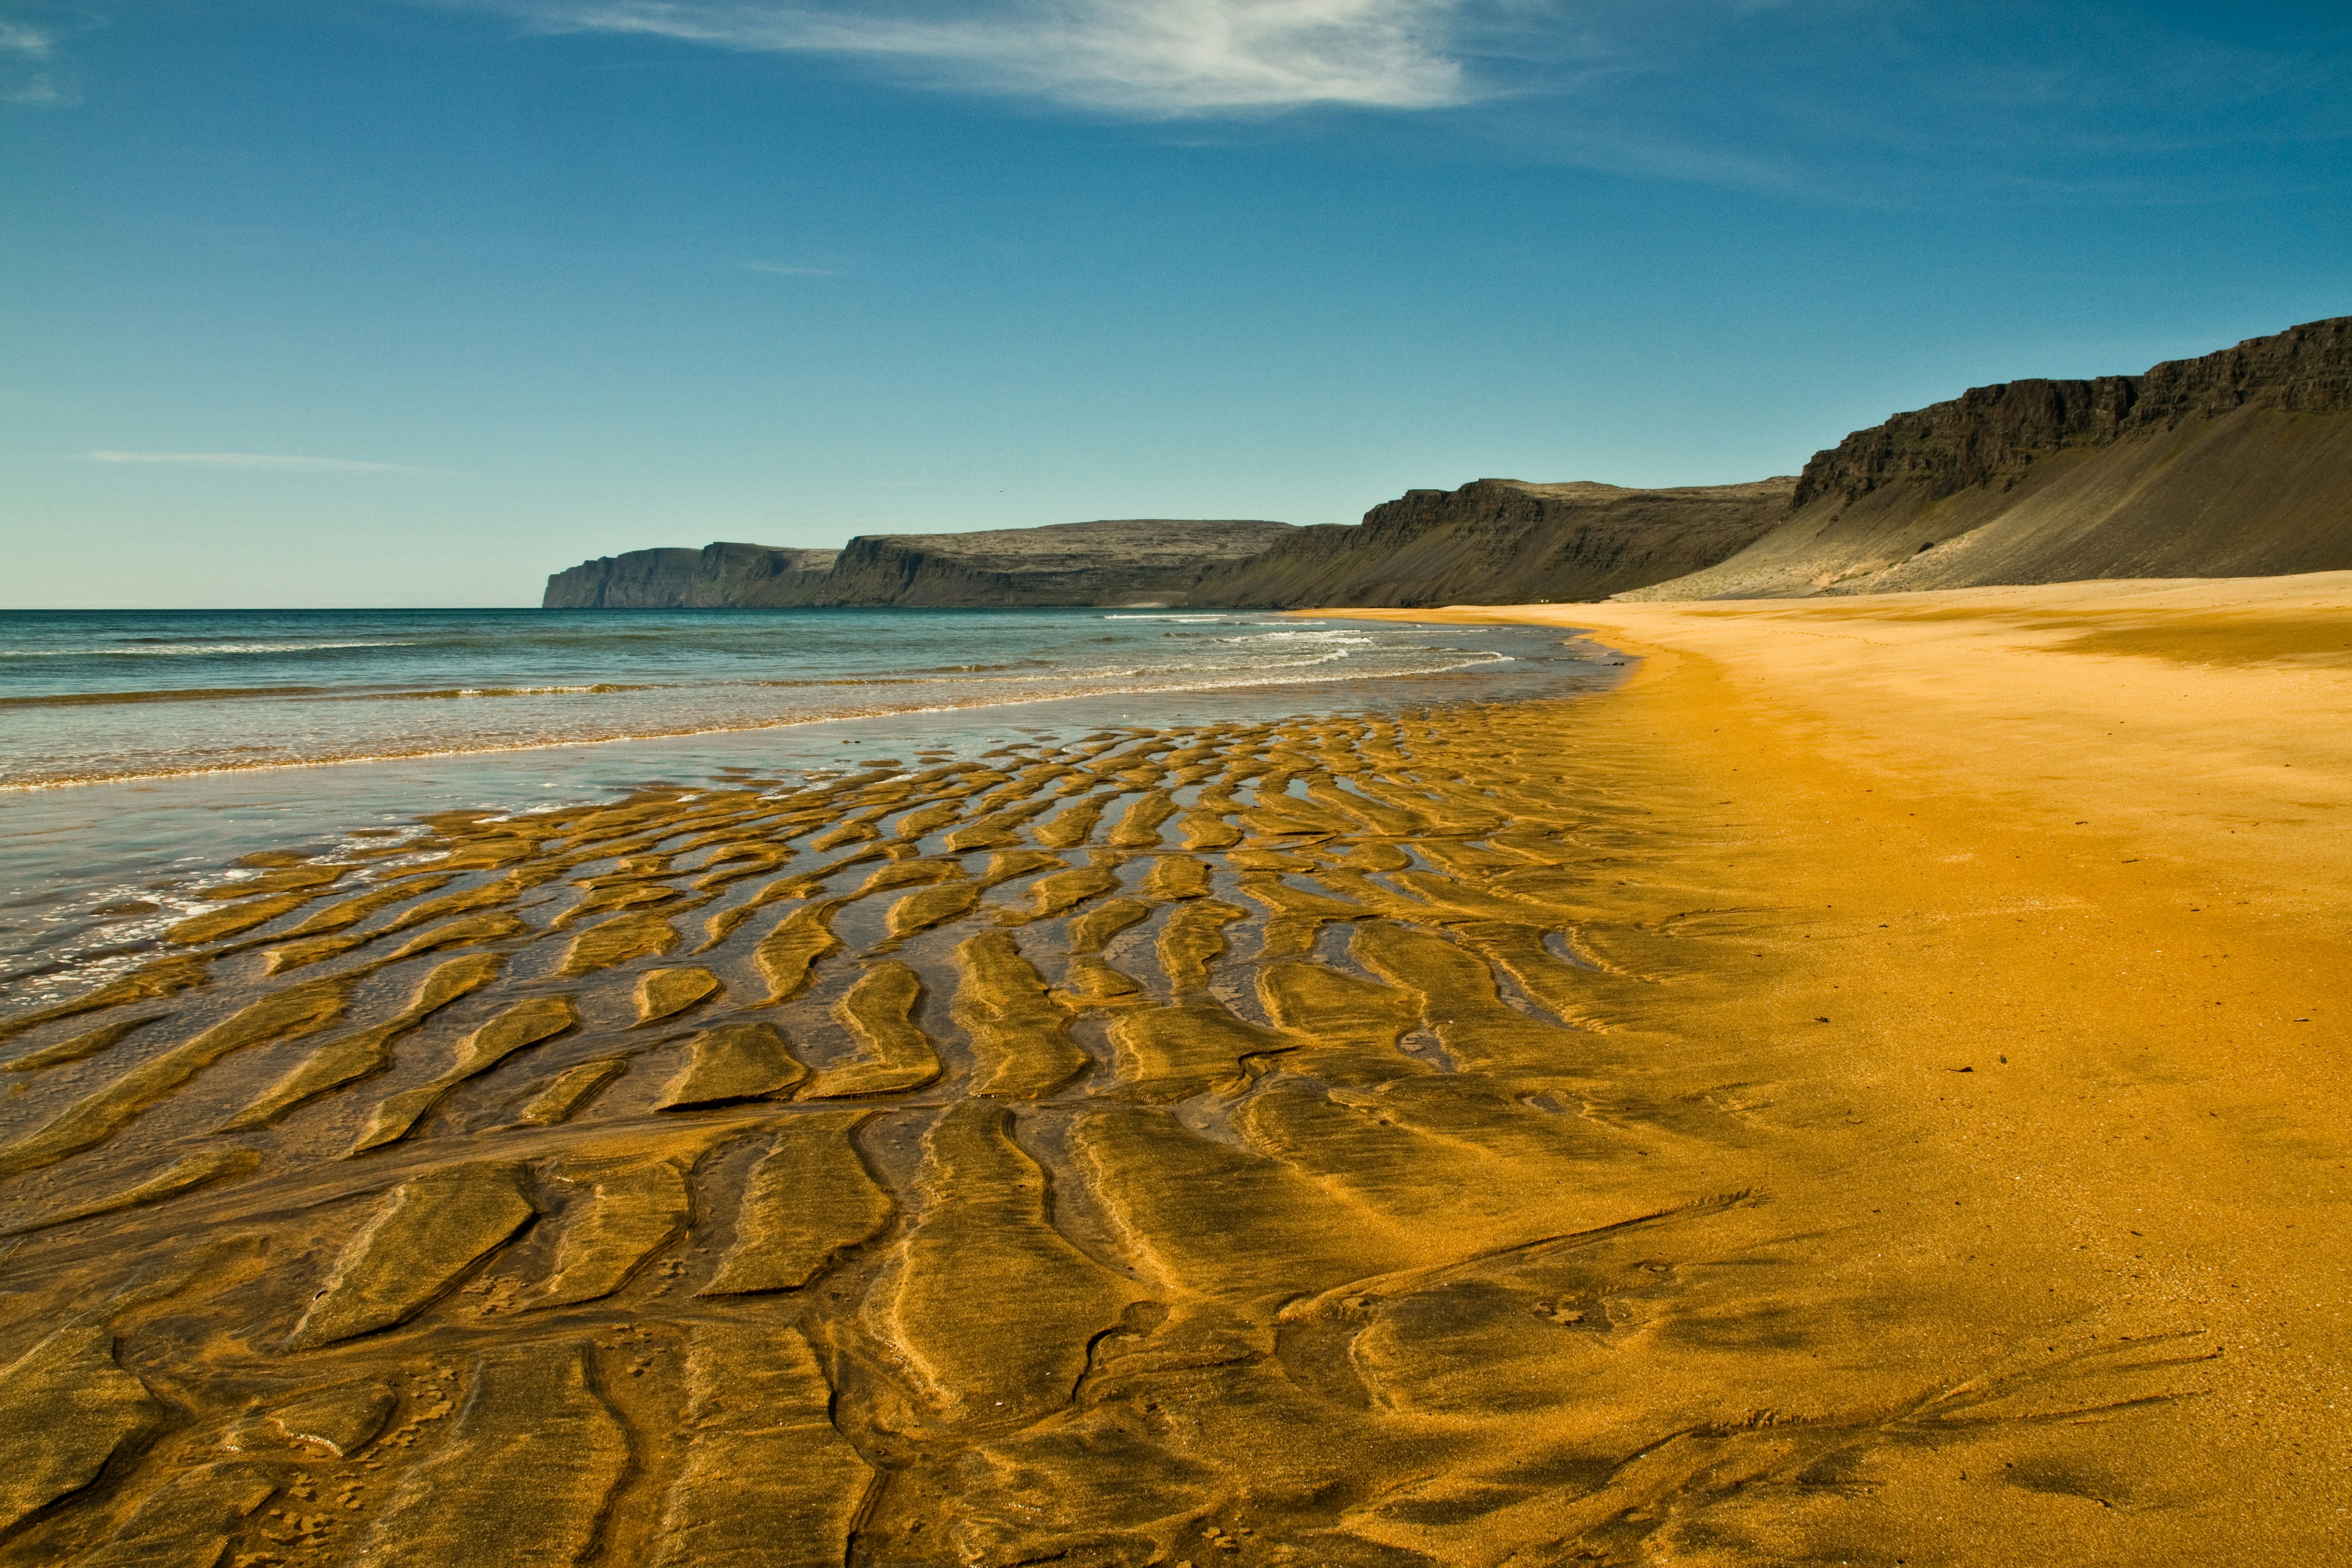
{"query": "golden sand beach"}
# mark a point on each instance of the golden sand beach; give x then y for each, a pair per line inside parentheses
(1865, 1092)
(2046, 893)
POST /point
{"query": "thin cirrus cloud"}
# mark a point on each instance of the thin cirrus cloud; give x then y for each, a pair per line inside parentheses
(1147, 57)
(28, 70)
(264, 463)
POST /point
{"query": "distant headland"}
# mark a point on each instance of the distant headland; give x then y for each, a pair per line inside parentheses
(2238, 464)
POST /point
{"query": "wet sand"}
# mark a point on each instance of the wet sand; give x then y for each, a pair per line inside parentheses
(1730, 1120)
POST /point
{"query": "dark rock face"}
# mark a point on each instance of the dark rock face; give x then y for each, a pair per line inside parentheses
(2238, 464)
(715, 577)
(1985, 434)
(1502, 541)
(1135, 562)
(1996, 432)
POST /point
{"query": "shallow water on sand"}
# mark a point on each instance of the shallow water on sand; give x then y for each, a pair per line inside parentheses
(319, 744)
(93, 695)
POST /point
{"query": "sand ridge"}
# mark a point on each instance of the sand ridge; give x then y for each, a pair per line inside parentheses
(1546, 1132)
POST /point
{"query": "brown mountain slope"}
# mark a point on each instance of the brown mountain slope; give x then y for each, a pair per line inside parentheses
(1133, 561)
(1499, 541)
(1148, 560)
(2236, 464)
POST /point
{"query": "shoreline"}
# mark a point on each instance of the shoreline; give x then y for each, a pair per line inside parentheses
(85, 857)
(502, 687)
(1108, 694)
(1523, 1130)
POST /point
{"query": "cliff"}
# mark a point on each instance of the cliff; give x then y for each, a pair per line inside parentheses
(1134, 561)
(2238, 464)
(1502, 541)
(715, 577)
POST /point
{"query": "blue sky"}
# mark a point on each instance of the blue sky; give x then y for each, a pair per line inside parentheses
(414, 301)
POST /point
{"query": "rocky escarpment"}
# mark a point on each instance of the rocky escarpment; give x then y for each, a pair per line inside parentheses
(1996, 434)
(715, 577)
(2235, 463)
(1134, 561)
(1501, 541)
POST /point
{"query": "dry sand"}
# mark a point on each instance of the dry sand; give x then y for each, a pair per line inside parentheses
(1864, 1093)
(2048, 896)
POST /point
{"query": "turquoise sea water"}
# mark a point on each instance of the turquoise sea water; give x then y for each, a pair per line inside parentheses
(141, 752)
(94, 695)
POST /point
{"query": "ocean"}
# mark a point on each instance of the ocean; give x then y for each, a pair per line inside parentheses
(142, 752)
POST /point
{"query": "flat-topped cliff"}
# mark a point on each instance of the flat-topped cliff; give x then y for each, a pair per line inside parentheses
(715, 577)
(2238, 464)
(1501, 541)
(1130, 561)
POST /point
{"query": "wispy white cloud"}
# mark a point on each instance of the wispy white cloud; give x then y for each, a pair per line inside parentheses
(265, 463)
(781, 270)
(1849, 101)
(28, 69)
(1149, 57)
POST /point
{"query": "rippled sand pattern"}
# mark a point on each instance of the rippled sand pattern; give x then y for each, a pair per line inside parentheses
(1233, 1146)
